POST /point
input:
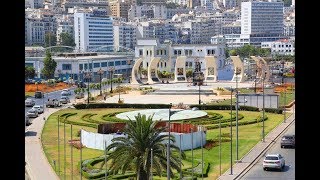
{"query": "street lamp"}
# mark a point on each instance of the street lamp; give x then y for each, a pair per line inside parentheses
(263, 106)
(168, 146)
(284, 105)
(88, 77)
(111, 71)
(100, 72)
(255, 82)
(200, 81)
(129, 63)
(231, 132)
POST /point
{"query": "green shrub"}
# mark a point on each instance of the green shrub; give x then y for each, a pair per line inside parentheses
(223, 107)
(63, 118)
(116, 105)
(273, 110)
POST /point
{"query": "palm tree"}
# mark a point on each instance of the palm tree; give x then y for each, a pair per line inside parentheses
(135, 151)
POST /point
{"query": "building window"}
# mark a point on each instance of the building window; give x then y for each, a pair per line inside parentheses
(179, 52)
(96, 65)
(175, 52)
(190, 52)
(110, 63)
(80, 66)
(123, 62)
(186, 64)
(161, 64)
(208, 52)
(157, 52)
(104, 64)
(160, 52)
(147, 64)
(165, 64)
(190, 64)
(85, 66)
(140, 52)
(186, 52)
(147, 52)
(66, 66)
(165, 52)
(150, 53)
(118, 63)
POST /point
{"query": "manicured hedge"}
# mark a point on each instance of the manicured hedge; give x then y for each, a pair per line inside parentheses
(116, 105)
(224, 107)
(63, 118)
(111, 117)
(227, 124)
(273, 110)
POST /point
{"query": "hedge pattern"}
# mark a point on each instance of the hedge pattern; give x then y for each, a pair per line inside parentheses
(116, 105)
(64, 119)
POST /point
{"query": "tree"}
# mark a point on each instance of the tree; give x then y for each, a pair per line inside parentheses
(49, 66)
(67, 39)
(50, 39)
(189, 72)
(135, 150)
(29, 72)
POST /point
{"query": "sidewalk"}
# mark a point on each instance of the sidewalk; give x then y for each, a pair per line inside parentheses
(37, 165)
(239, 168)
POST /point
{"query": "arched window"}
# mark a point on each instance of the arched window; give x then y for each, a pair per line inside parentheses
(147, 52)
(147, 64)
(165, 64)
(161, 65)
(165, 52)
(175, 52)
(160, 52)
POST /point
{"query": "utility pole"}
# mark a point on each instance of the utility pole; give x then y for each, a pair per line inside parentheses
(231, 133)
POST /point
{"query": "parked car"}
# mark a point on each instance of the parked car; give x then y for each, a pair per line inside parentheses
(81, 84)
(79, 95)
(53, 102)
(32, 113)
(273, 161)
(288, 140)
(39, 108)
(65, 92)
(64, 100)
(38, 94)
(29, 102)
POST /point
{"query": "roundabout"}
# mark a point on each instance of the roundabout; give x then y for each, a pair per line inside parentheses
(163, 114)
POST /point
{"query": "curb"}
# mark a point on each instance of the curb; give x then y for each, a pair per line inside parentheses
(42, 150)
(266, 148)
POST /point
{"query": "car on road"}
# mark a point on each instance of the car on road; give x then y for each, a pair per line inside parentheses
(32, 113)
(39, 108)
(65, 92)
(64, 100)
(53, 102)
(29, 102)
(288, 140)
(38, 94)
(79, 95)
(273, 161)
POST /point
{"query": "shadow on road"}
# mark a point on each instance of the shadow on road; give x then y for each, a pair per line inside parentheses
(30, 133)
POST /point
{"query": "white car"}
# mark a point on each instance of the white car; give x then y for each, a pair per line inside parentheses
(29, 102)
(273, 161)
(39, 108)
(32, 113)
(65, 92)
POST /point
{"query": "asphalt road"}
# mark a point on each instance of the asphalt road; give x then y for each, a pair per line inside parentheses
(256, 172)
(57, 95)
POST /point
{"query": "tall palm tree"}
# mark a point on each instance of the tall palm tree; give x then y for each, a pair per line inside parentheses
(135, 151)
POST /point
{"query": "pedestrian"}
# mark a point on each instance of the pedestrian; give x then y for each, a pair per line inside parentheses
(104, 97)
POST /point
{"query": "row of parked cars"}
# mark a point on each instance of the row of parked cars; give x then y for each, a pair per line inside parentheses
(277, 161)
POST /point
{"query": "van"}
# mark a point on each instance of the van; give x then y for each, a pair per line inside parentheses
(38, 94)
(53, 103)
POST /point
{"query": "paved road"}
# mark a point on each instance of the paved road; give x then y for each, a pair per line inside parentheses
(256, 172)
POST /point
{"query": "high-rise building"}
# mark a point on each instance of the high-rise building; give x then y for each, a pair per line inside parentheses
(263, 21)
(229, 3)
(92, 30)
(35, 4)
(120, 8)
(125, 35)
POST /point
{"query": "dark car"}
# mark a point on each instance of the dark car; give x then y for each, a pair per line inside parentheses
(288, 140)
(38, 94)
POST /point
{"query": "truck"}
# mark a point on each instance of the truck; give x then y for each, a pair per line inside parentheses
(53, 102)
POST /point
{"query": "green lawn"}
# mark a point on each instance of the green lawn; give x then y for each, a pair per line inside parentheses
(249, 135)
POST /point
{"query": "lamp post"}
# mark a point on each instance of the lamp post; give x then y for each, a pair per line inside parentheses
(284, 105)
(100, 72)
(263, 106)
(168, 146)
(255, 82)
(151, 159)
(88, 76)
(231, 132)
(111, 70)
(200, 80)
(129, 63)
(237, 103)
